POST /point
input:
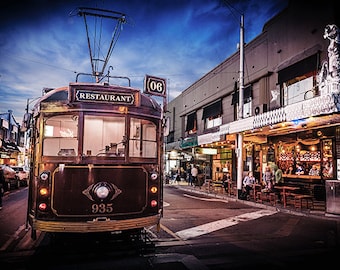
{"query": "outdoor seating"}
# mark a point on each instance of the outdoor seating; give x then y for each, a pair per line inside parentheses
(300, 198)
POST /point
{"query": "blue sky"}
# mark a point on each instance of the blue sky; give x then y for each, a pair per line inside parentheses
(42, 44)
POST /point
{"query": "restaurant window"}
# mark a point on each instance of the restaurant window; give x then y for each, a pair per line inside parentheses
(191, 126)
(327, 159)
(298, 81)
(212, 115)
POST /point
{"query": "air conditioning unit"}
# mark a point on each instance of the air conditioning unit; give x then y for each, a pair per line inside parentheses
(260, 109)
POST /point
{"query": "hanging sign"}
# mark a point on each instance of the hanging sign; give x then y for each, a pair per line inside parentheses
(155, 85)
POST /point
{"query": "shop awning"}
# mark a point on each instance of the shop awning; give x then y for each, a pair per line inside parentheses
(298, 69)
(8, 146)
(212, 110)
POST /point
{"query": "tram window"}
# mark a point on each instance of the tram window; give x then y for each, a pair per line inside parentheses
(104, 135)
(143, 140)
(60, 136)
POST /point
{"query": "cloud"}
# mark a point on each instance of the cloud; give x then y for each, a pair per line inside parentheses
(42, 45)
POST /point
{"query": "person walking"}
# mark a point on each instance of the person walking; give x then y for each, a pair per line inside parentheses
(194, 174)
(2, 185)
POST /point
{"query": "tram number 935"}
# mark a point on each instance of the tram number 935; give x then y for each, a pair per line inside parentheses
(102, 208)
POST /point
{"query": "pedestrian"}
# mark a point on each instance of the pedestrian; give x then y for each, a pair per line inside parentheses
(189, 176)
(248, 183)
(278, 180)
(2, 185)
(194, 174)
(226, 180)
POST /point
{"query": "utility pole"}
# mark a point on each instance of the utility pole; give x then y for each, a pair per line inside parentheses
(240, 111)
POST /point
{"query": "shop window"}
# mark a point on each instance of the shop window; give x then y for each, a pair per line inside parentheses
(327, 159)
(213, 122)
(191, 126)
(298, 81)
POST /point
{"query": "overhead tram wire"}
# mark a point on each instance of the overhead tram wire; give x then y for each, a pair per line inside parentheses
(96, 58)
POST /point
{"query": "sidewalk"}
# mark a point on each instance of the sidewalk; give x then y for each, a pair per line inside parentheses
(318, 211)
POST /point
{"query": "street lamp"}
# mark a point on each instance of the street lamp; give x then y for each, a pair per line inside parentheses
(240, 111)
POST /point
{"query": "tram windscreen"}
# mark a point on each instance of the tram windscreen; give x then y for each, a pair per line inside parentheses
(60, 136)
(143, 138)
(104, 135)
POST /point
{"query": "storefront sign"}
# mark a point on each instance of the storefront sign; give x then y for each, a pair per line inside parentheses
(209, 151)
(189, 142)
(208, 138)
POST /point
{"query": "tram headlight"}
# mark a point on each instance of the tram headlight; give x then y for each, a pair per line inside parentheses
(154, 176)
(44, 176)
(102, 192)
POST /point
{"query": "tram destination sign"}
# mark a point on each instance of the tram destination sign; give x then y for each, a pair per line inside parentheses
(155, 85)
(104, 97)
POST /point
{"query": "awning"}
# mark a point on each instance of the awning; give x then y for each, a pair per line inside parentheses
(8, 146)
(298, 69)
(212, 110)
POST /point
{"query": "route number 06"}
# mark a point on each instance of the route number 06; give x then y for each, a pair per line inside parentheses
(155, 85)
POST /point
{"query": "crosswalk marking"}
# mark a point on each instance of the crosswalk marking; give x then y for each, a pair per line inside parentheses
(222, 223)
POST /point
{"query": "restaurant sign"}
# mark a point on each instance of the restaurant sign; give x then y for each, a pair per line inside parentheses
(104, 97)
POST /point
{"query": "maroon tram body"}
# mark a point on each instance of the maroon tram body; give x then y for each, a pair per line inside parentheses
(96, 154)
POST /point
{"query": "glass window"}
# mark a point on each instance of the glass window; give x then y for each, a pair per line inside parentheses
(60, 136)
(213, 122)
(104, 135)
(296, 91)
(143, 139)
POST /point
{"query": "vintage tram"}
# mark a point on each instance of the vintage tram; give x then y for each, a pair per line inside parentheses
(96, 159)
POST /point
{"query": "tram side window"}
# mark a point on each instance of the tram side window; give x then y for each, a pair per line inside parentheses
(143, 139)
(104, 135)
(60, 136)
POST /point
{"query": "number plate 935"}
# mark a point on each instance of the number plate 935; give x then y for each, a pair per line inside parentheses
(102, 208)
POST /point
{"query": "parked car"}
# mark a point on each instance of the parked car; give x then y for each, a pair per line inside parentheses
(11, 178)
(22, 174)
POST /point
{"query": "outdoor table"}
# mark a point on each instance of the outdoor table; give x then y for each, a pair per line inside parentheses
(284, 194)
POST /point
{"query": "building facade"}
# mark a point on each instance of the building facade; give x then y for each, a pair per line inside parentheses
(290, 104)
(10, 139)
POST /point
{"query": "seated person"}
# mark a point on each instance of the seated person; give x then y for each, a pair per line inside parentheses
(290, 170)
(314, 170)
(299, 169)
(248, 182)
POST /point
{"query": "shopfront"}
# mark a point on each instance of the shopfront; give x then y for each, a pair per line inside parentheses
(306, 158)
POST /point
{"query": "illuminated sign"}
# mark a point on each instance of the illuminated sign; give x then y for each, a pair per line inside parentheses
(105, 97)
(206, 151)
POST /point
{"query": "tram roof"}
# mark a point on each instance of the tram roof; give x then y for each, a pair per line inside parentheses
(61, 96)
